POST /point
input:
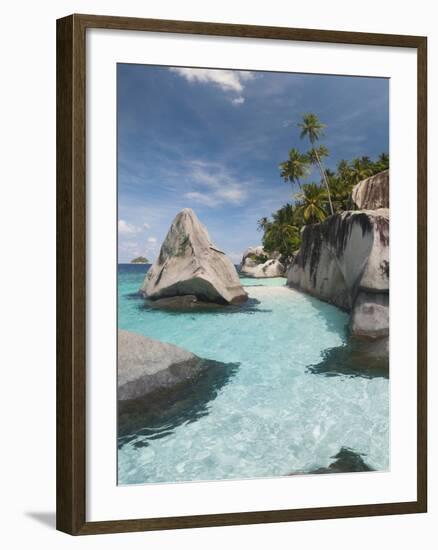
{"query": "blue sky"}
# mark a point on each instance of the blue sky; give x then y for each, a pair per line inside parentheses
(212, 140)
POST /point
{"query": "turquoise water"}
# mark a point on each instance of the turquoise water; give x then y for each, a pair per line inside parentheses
(272, 416)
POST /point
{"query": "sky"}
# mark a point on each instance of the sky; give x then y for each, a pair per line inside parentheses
(212, 140)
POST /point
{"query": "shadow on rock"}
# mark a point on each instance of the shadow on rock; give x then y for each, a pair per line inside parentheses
(157, 416)
(368, 359)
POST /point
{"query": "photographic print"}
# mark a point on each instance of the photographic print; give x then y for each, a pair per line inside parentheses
(253, 274)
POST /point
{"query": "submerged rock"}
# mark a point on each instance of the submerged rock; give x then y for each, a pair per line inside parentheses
(372, 193)
(347, 460)
(345, 261)
(189, 264)
(259, 264)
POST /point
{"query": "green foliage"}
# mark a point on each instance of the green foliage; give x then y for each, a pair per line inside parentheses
(314, 129)
(140, 260)
(348, 174)
(258, 258)
(312, 204)
(317, 153)
(295, 167)
(315, 201)
(311, 128)
(282, 232)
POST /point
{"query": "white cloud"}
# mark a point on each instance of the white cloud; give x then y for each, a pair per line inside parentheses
(146, 226)
(126, 228)
(228, 81)
(214, 185)
(152, 240)
(232, 194)
(201, 198)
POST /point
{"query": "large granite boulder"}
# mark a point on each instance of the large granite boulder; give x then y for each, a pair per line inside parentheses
(372, 193)
(258, 263)
(345, 261)
(146, 366)
(162, 384)
(189, 264)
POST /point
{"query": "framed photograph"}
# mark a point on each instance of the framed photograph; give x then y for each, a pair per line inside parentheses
(232, 345)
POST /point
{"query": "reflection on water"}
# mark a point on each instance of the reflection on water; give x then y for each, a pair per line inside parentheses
(248, 307)
(368, 359)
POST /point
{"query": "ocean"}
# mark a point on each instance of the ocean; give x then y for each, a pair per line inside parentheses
(275, 411)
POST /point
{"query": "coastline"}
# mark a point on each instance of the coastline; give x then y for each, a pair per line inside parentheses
(270, 406)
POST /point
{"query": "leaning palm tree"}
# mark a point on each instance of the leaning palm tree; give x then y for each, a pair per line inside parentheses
(312, 203)
(316, 154)
(312, 128)
(295, 168)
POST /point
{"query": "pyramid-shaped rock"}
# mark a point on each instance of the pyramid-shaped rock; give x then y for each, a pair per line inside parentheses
(189, 264)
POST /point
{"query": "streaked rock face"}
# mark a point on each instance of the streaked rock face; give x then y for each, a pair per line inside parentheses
(372, 193)
(345, 261)
(260, 264)
(190, 264)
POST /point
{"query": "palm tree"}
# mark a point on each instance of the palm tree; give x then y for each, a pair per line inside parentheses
(344, 171)
(295, 167)
(312, 128)
(382, 162)
(340, 189)
(313, 200)
(316, 154)
(282, 237)
(262, 224)
(286, 214)
(360, 170)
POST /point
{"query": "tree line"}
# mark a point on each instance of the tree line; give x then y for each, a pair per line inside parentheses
(313, 201)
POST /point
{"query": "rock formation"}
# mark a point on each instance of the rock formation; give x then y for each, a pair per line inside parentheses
(159, 384)
(189, 264)
(148, 367)
(260, 264)
(372, 193)
(345, 261)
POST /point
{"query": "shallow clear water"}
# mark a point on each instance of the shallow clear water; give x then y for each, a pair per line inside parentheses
(272, 416)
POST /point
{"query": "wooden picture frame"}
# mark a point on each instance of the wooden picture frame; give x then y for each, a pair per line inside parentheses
(71, 273)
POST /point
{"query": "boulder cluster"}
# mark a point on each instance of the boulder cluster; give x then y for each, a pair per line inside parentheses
(258, 263)
(345, 259)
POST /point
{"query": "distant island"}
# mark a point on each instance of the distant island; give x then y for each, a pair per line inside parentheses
(140, 260)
